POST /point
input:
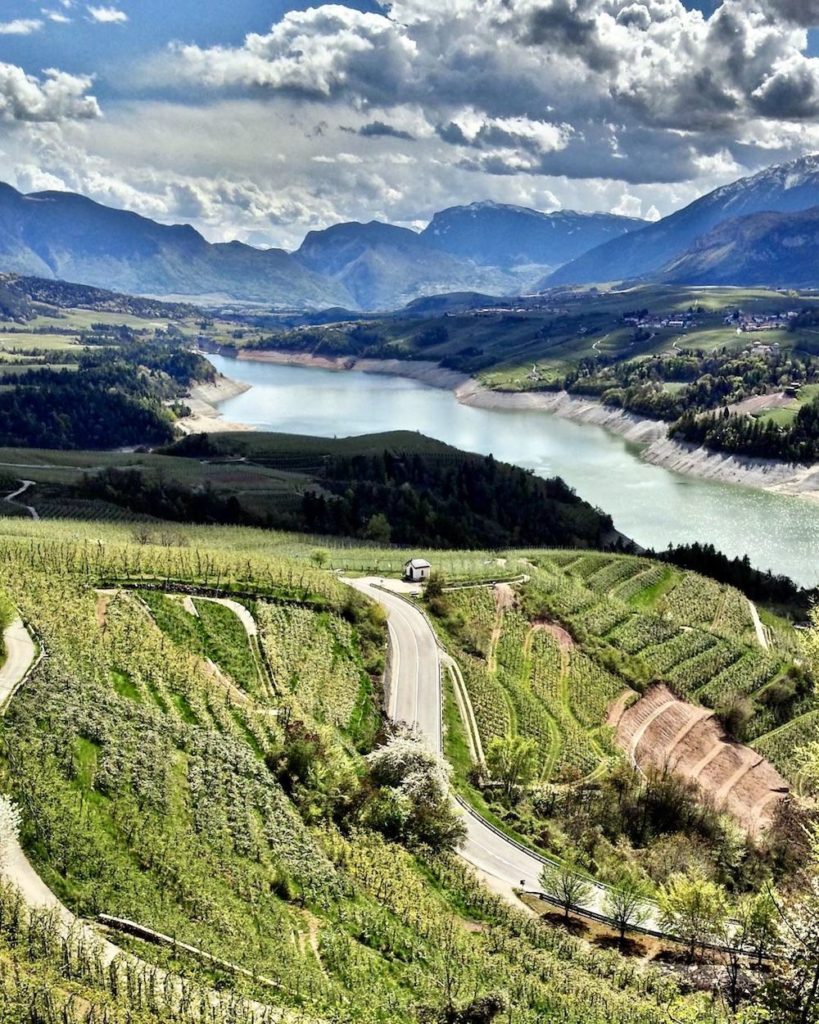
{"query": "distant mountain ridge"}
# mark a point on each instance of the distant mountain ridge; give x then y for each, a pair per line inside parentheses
(497, 234)
(383, 266)
(783, 188)
(65, 236)
(495, 249)
(776, 249)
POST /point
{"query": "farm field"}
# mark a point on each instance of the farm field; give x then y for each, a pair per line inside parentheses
(586, 629)
(29, 341)
(212, 784)
(631, 680)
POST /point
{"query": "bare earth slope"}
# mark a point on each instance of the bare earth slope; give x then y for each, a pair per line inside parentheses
(664, 732)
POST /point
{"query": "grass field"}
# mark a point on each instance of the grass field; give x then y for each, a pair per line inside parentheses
(11, 341)
(785, 416)
(84, 319)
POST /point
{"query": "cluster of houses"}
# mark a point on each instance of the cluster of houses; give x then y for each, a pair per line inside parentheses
(523, 307)
(653, 322)
(745, 323)
(751, 324)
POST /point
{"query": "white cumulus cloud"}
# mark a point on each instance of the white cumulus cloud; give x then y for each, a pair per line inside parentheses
(107, 15)
(20, 27)
(57, 96)
(636, 106)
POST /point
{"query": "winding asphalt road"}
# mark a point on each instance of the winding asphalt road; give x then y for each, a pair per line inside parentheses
(414, 697)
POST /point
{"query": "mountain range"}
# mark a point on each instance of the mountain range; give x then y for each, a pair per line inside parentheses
(499, 235)
(779, 250)
(674, 245)
(381, 266)
(66, 236)
(759, 230)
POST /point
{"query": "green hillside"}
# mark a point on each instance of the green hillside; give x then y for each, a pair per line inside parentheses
(399, 487)
(212, 786)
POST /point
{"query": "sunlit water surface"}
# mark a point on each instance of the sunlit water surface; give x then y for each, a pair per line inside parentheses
(650, 504)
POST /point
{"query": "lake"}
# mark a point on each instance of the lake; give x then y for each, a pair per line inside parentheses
(652, 505)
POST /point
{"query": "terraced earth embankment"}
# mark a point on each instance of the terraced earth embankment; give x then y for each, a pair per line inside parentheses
(663, 732)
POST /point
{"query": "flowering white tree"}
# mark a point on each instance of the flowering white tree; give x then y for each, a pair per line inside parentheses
(414, 783)
(9, 827)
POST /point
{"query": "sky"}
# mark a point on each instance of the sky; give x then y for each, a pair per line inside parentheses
(264, 120)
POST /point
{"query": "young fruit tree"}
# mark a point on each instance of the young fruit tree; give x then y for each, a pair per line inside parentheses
(694, 909)
(512, 761)
(625, 901)
(565, 885)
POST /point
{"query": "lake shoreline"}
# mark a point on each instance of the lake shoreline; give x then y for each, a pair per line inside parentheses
(203, 402)
(656, 447)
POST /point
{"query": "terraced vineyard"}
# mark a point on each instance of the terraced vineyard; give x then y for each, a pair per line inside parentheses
(628, 621)
(178, 772)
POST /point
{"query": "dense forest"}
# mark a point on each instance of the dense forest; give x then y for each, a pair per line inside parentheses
(166, 499)
(693, 391)
(745, 435)
(115, 398)
(450, 501)
(99, 408)
(766, 587)
(700, 381)
(468, 502)
(19, 294)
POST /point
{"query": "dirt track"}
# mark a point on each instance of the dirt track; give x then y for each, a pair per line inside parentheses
(763, 403)
(563, 636)
(664, 732)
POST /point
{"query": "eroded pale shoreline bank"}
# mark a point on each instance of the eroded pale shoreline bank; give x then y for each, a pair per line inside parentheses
(203, 402)
(655, 447)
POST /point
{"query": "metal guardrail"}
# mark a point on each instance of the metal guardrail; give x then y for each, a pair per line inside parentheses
(593, 914)
(641, 930)
(574, 909)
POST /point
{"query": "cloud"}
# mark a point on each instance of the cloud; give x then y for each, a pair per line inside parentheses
(324, 51)
(20, 27)
(790, 91)
(107, 15)
(57, 17)
(635, 64)
(379, 129)
(628, 206)
(203, 164)
(590, 104)
(57, 96)
(799, 12)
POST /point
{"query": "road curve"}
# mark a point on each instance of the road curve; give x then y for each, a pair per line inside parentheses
(12, 499)
(414, 689)
(414, 697)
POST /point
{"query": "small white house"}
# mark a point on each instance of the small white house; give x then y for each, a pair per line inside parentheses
(417, 570)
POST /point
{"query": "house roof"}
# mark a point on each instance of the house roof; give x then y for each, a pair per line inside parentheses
(419, 563)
